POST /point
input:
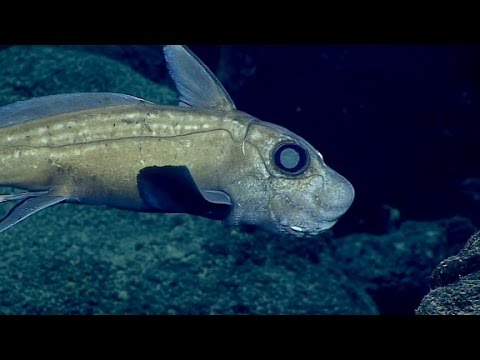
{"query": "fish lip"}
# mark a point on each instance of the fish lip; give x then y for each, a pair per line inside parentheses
(296, 228)
(303, 232)
(306, 231)
(296, 233)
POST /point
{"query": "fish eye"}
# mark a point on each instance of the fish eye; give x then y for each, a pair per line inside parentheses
(291, 158)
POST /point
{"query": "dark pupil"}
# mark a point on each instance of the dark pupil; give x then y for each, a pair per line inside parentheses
(291, 158)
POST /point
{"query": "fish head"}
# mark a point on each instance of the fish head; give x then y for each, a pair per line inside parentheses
(298, 194)
(275, 180)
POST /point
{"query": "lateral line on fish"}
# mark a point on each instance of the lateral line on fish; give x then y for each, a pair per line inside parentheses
(141, 137)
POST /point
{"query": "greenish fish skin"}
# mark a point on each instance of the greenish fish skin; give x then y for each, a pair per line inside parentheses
(93, 157)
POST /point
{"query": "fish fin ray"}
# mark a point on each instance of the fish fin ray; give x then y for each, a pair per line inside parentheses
(197, 85)
(21, 196)
(27, 208)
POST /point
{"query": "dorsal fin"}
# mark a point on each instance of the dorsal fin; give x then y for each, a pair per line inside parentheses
(194, 81)
(52, 105)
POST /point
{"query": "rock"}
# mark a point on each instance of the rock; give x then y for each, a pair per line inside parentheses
(147, 60)
(29, 71)
(394, 268)
(455, 283)
(73, 259)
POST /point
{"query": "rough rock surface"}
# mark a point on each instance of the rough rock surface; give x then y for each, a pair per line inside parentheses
(456, 283)
(395, 267)
(29, 71)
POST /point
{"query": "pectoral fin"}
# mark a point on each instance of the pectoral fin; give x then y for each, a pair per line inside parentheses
(28, 207)
(172, 189)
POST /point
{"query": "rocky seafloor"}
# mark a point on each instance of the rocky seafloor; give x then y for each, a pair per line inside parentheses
(73, 259)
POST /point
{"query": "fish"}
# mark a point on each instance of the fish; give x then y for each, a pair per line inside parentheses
(202, 157)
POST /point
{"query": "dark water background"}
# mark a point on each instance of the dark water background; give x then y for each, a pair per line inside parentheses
(400, 122)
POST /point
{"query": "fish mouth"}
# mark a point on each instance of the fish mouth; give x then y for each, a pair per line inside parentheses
(297, 228)
(300, 231)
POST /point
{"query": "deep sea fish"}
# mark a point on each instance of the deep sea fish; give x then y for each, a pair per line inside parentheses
(202, 157)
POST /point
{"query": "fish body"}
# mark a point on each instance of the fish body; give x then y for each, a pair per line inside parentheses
(94, 156)
(204, 158)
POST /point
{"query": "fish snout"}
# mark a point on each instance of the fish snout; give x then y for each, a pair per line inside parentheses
(337, 197)
(316, 209)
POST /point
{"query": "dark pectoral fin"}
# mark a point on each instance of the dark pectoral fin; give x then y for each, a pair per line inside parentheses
(28, 207)
(172, 189)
